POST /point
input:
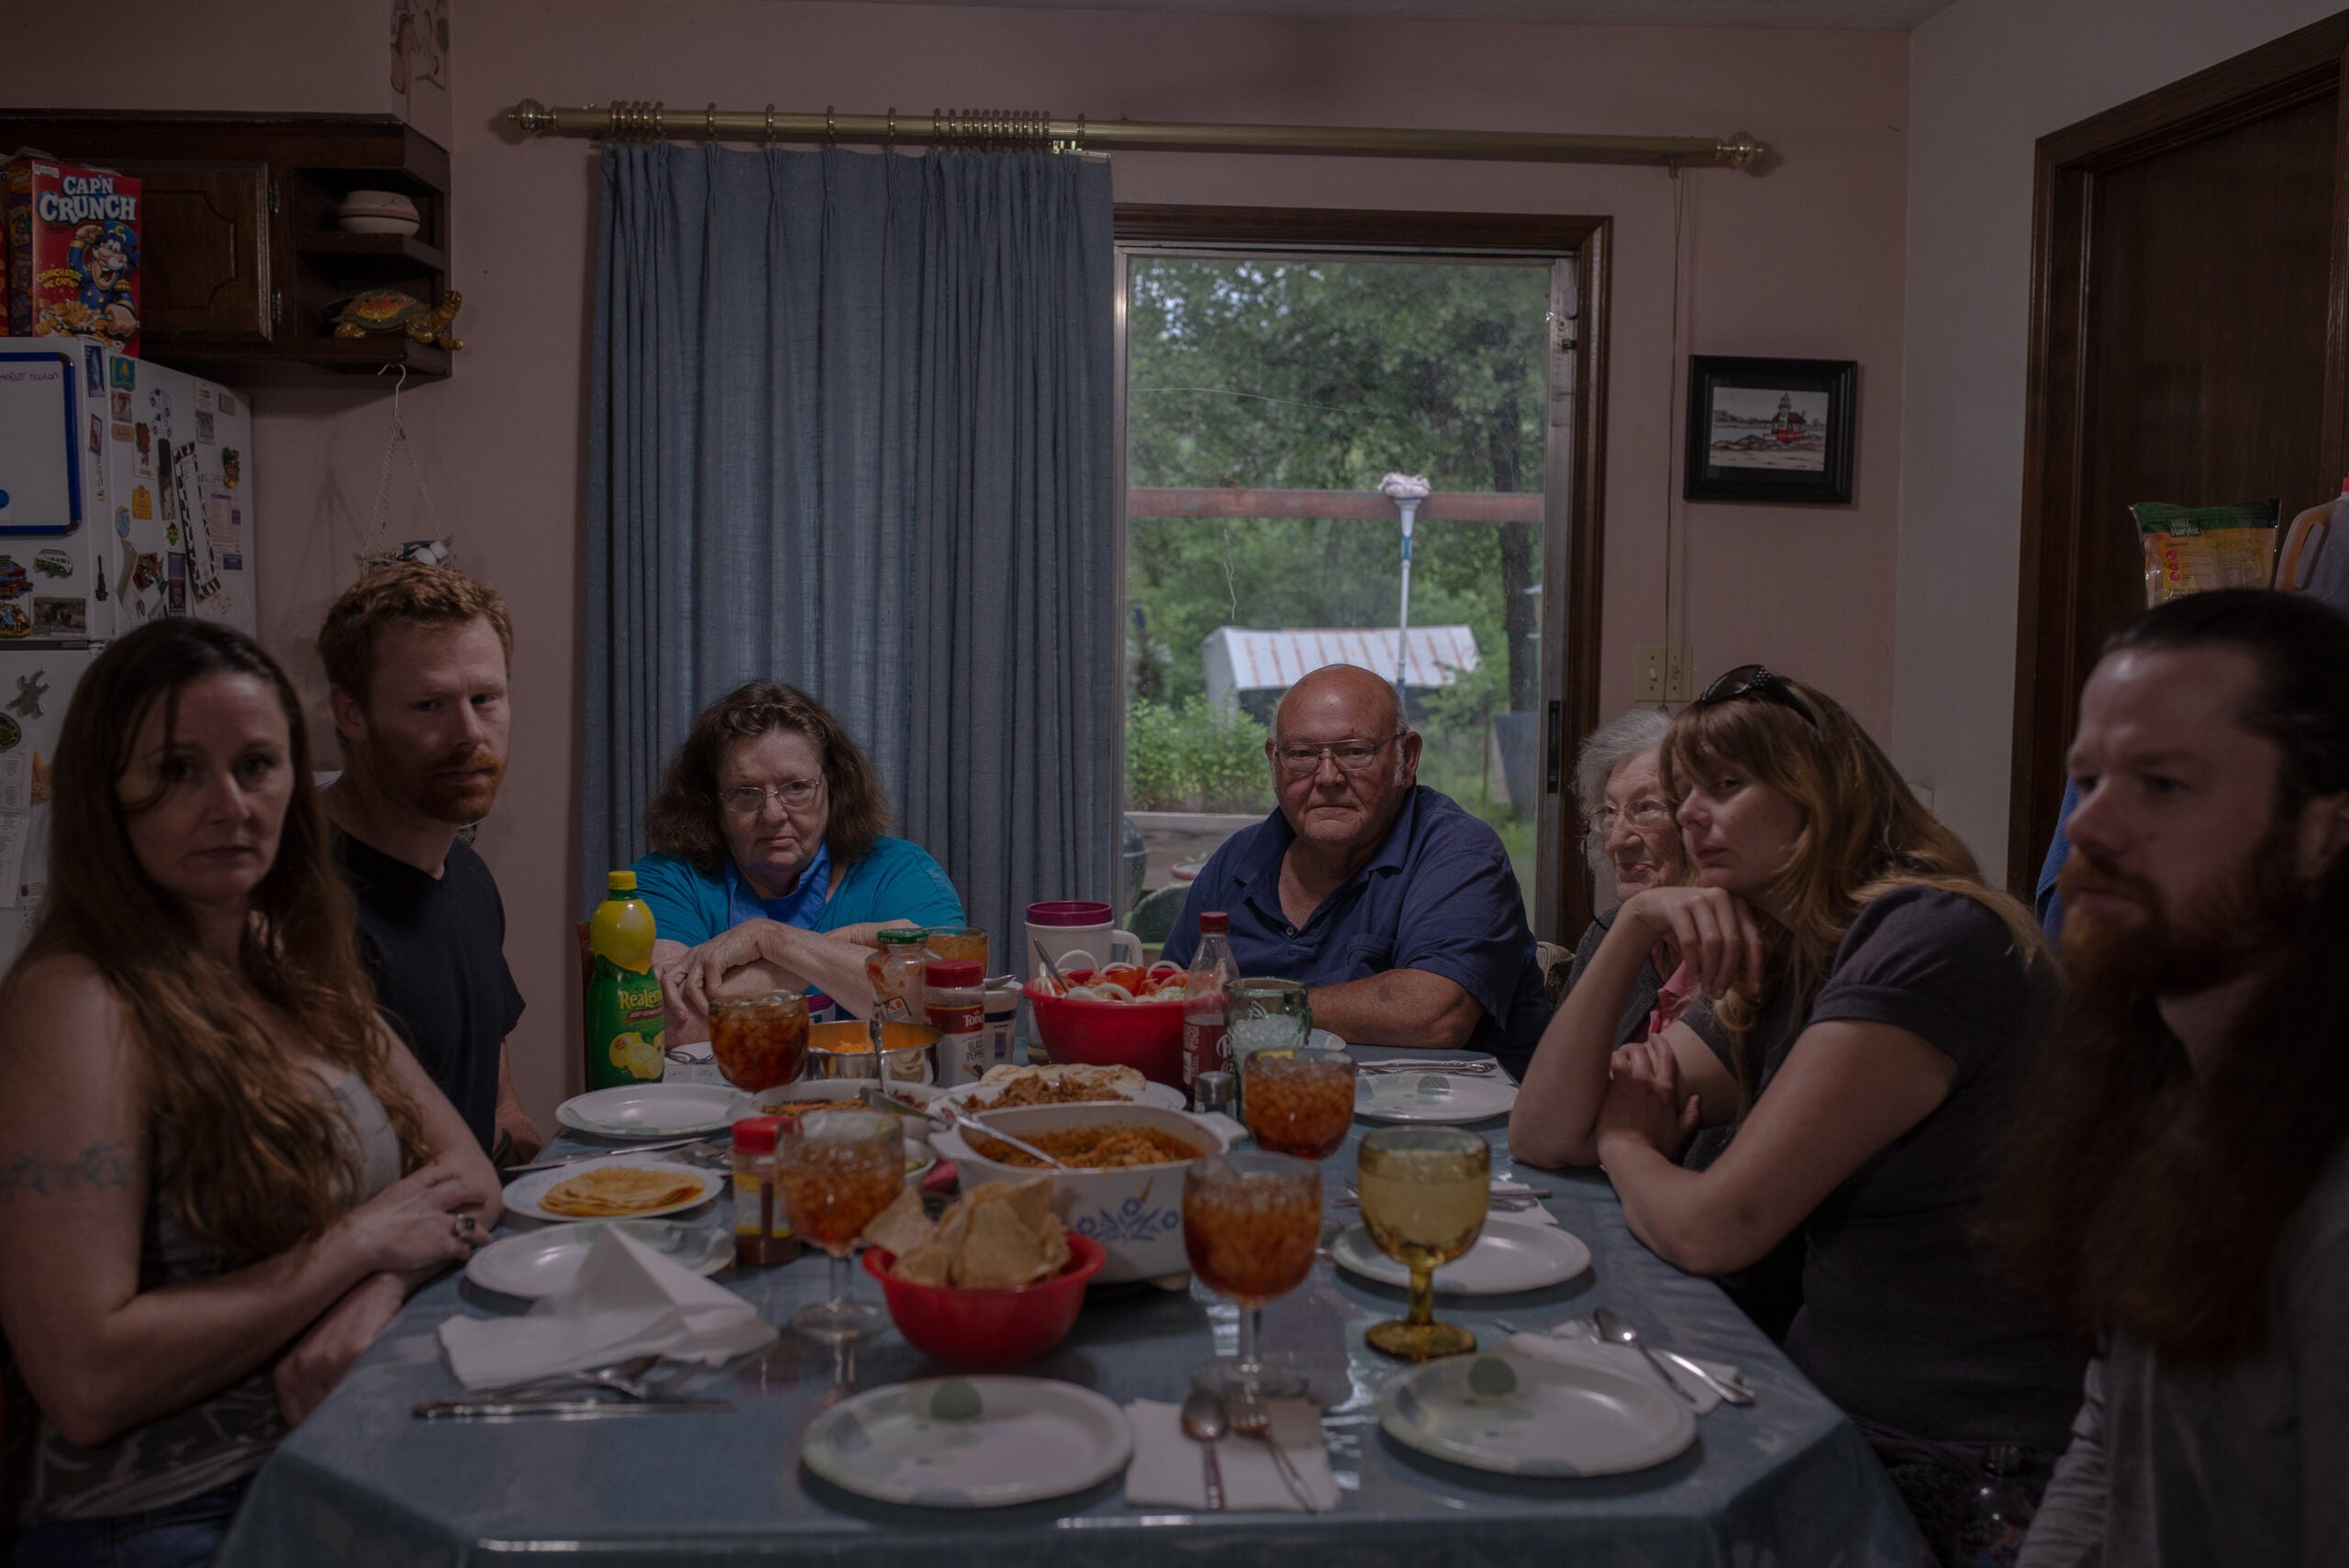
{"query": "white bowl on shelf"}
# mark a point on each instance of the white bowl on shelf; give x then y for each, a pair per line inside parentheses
(378, 212)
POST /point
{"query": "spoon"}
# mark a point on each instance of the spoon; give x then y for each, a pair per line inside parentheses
(1204, 1423)
(1250, 1418)
(1611, 1327)
(1046, 958)
(880, 1099)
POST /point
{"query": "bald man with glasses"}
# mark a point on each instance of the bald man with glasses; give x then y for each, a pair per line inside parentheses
(1395, 906)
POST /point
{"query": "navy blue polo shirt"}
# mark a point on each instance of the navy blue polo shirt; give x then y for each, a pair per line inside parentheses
(1438, 896)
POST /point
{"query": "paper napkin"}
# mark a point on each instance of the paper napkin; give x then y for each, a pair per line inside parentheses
(1575, 1350)
(626, 1300)
(1169, 1470)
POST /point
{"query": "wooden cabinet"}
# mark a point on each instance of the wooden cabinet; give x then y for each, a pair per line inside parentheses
(242, 261)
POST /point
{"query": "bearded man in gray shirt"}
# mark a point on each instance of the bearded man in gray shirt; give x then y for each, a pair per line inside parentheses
(2181, 1178)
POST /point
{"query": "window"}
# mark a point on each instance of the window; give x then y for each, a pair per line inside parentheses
(1267, 391)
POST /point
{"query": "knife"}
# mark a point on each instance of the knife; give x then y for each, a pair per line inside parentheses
(602, 1154)
(560, 1409)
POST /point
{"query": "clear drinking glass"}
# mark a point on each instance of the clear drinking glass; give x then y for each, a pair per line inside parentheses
(1424, 1192)
(1250, 1225)
(1263, 1015)
(760, 1042)
(1299, 1101)
(838, 1170)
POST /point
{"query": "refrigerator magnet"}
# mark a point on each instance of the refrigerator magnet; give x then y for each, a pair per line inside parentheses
(10, 733)
(142, 503)
(125, 374)
(122, 409)
(30, 689)
(61, 614)
(204, 425)
(95, 358)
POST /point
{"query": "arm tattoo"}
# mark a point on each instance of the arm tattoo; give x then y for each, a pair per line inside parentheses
(35, 1174)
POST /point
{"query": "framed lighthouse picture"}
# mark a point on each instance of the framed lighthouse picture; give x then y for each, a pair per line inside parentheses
(1778, 430)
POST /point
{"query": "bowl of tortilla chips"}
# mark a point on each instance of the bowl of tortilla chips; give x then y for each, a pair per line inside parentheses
(1124, 1184)
(995, 1284)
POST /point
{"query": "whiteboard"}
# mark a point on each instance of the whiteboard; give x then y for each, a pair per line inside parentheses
(40, 465)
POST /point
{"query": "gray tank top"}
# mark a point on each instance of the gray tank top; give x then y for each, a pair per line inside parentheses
(219, 1439)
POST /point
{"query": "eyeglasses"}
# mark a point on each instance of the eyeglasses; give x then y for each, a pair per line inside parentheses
(748, 800)
(1352, 755)
(1754, 681)
(1640, 815)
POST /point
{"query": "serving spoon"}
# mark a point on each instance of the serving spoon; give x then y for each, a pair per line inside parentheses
(880, 1099)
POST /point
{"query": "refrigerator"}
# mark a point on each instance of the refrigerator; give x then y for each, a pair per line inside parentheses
(126, 493)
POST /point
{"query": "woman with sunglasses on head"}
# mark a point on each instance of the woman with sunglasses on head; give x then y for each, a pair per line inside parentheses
(1884, 1004)
(230, 1173)
(769, 870)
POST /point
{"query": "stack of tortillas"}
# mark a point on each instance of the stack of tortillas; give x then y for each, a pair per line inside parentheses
(611, 1190)
(993, 1237)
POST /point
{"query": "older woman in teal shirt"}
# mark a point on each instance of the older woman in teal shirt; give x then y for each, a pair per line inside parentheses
(770, 871)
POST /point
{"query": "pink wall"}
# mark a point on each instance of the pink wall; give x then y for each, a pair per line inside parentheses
(1804, 261)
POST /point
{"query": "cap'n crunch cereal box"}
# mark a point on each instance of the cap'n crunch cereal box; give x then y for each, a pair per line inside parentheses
(73, 252)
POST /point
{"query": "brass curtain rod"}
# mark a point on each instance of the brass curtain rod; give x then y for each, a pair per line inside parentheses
(1035, 131)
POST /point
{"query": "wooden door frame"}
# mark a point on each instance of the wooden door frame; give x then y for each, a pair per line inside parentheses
(1573, 702)
(2052, 651)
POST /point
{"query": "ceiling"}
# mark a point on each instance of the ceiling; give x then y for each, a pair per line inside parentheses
(1891, 14)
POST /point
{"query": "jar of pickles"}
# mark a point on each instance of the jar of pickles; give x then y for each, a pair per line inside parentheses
(762, 1236)
(894, 968)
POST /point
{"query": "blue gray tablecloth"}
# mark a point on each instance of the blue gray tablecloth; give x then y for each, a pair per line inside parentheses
(1787, 1481)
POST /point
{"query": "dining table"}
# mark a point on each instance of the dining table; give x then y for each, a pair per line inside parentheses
(1786, 1479)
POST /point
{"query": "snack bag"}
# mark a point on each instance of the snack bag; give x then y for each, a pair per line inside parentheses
(72, 251)
(2191, 549)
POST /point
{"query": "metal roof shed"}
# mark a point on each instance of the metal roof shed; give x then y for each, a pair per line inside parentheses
(1238, 660)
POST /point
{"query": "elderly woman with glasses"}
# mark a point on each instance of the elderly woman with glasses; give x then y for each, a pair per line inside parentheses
(769, 870)
(1633, 838)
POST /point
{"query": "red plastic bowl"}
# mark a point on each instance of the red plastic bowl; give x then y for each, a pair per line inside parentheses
(1144, 1036)
(988, 1330)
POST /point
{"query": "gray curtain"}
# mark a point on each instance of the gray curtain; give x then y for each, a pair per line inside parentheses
(850, 426)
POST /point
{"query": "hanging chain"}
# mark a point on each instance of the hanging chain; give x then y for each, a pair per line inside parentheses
(397, 441)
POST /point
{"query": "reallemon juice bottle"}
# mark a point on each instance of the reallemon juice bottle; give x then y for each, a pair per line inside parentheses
(623, 993)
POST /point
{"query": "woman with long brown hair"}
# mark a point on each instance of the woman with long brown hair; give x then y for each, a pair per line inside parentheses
(220, 1173)
(1882, 1002)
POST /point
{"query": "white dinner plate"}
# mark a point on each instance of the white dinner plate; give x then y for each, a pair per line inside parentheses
(1522, 1417)
(1433, 1096)
(1511, 1255)
(523, 1193)
(654, 1110)
(969, 1442)
(1161, 1094)
(540, 1263)
(1324, 1040)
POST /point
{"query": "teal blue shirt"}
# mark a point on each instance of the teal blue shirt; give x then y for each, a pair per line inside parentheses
(897, 881)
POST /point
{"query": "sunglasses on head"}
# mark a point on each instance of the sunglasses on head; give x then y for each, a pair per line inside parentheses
(1754, 680)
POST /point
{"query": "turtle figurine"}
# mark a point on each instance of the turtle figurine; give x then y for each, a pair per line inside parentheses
(380, 311)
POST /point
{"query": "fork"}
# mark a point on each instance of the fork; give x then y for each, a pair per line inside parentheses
(624, 1378)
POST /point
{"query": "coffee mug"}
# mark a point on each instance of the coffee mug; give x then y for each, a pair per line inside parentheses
(1077, 933)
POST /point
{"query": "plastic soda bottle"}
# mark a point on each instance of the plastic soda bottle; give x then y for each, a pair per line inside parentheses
(1990, 1533)
(1204, 1012)
(623, 993)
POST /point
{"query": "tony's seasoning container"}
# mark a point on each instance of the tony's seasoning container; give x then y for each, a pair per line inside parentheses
(957, 1010)
(762, 1236)
(894, 969)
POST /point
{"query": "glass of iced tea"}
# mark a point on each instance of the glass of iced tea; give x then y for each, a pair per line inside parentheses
(958, 944)
(1250, 1225)
(838, 1170)
(760, 1042)
(1298, 1102)
(1424, 1192)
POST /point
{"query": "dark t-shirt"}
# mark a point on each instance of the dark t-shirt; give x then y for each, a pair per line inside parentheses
(437, 948)
(1904, 1322)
